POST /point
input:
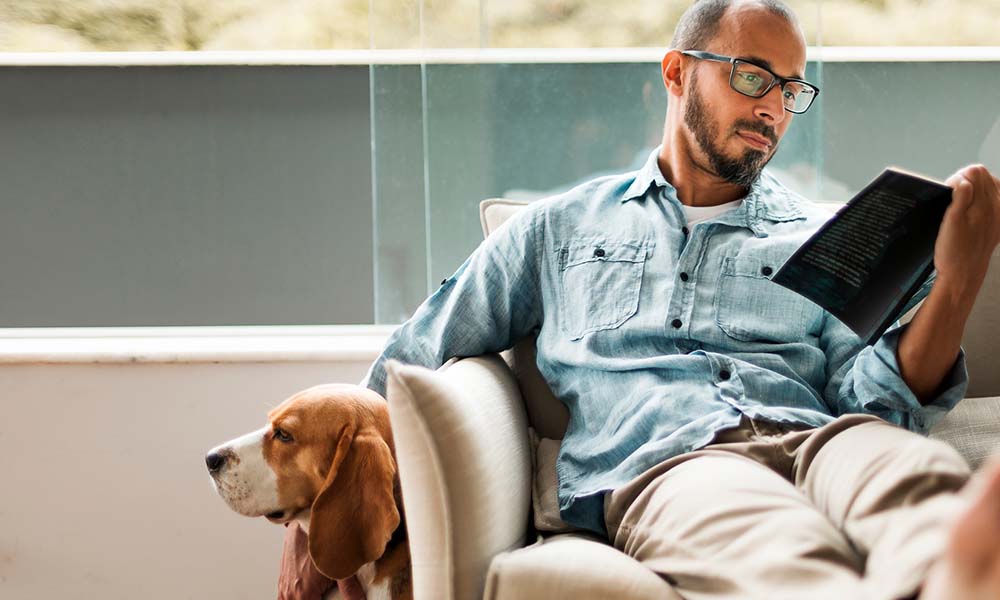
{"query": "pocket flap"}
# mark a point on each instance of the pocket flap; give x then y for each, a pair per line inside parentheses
(751, 266)
(584, 251)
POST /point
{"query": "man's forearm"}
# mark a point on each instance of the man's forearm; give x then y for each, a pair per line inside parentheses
(929, 346)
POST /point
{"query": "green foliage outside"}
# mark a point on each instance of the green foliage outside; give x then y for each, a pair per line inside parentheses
(151, 25)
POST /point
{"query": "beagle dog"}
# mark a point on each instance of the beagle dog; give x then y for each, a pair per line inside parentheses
(326, 460)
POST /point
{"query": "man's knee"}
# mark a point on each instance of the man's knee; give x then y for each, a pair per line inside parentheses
(877, 466)
(904, 453)
(921, 468)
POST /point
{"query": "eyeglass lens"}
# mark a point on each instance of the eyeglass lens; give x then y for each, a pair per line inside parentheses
(752, 80)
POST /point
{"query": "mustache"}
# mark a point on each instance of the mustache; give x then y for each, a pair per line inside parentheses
(758, 128)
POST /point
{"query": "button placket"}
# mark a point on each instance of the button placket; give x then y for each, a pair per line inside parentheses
(681, 311)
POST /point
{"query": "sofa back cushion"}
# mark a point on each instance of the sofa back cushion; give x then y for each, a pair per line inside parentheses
(981, 333)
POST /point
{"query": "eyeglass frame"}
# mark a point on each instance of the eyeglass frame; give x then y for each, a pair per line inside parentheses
(701, 54)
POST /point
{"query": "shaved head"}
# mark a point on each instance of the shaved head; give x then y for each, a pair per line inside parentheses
(700, 23)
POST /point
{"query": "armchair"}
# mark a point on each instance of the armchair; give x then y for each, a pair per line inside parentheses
(475, 443)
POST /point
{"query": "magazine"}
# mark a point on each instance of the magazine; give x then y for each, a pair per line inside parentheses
(867, 263)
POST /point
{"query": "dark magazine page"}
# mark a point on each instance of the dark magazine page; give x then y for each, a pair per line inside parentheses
(865, 263)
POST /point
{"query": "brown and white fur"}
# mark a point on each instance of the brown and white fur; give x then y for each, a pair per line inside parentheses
(326, 459)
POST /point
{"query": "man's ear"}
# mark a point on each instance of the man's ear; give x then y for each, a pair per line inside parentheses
(673, 74)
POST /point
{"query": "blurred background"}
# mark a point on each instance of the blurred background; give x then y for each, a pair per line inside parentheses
(143, 25)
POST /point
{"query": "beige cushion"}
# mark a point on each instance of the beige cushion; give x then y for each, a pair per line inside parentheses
(493, 212)
(545, 488)
(972, 428)
(981, 333)
(464, 458)
(574, 566)
(546, 413)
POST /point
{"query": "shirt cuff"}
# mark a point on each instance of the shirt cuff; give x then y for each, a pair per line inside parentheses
(880, 384)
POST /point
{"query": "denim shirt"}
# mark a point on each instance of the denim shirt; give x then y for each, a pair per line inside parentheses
(655, 335)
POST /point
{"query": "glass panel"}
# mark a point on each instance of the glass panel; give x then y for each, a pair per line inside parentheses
(161, 196)
(930, 117)
(399, 179)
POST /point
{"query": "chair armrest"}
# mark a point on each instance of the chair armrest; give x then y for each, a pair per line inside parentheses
(464, 456)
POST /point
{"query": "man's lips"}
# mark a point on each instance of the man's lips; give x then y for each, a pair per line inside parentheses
(755, 140)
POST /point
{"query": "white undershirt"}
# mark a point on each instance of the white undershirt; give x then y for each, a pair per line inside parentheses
(697, 214)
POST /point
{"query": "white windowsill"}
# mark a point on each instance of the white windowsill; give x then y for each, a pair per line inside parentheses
(332, 343)
(466, 56)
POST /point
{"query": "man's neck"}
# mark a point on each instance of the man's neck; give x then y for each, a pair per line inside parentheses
(695, 185)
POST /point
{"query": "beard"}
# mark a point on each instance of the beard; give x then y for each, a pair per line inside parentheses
(743, 170)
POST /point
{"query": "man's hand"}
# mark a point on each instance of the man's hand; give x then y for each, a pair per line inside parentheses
(969, 232)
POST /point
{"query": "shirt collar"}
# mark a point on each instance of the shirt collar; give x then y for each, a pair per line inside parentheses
(767, 199)
(648, 175)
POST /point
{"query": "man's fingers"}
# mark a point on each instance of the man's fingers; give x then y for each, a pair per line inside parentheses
(955, 179)
(963, 188)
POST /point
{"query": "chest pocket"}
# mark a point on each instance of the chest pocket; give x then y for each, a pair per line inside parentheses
(750, 307)
(600, 281)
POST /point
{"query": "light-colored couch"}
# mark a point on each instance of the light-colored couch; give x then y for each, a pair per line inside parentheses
(478, 486)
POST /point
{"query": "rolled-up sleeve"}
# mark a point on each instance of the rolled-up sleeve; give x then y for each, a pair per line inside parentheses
(490, 302)
(867, 379)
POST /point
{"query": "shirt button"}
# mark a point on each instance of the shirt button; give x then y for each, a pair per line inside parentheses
(676, 323)
(685, 230)
(766, 271)
(723, 374)
(684, 276)
(599, 252)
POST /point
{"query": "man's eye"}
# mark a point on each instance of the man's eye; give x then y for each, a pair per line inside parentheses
(282, 435)
(749, 77)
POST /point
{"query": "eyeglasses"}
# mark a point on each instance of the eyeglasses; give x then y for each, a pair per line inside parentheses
(756, 81)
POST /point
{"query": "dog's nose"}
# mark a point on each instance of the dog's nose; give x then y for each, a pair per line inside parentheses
(215, 460)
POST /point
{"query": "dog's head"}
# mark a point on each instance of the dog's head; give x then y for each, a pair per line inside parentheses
(327, 449)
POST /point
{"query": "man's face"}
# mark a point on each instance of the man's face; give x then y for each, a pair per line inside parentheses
(721, 121)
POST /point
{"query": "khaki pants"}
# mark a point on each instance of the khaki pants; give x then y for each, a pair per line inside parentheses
(858, 508)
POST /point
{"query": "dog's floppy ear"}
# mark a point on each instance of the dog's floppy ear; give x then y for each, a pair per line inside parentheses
(355, 514)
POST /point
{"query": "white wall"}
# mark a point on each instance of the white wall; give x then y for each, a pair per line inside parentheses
(105, 493)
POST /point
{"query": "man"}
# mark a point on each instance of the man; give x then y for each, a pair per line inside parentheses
(726, 432)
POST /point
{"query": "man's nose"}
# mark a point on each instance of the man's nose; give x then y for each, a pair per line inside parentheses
(771, 106)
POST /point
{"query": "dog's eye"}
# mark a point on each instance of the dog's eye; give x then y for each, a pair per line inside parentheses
(282, 435)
